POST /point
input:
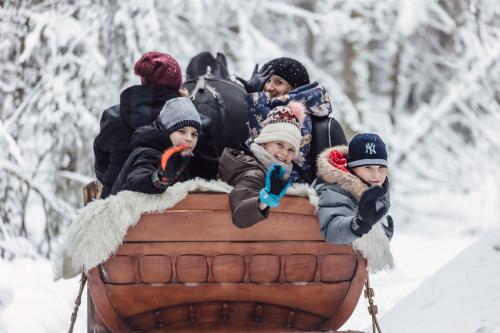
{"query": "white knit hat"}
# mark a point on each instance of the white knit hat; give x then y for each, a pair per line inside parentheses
(283, 123)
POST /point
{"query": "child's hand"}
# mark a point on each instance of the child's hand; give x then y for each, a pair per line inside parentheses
(275, 187)
(166, 173)
(370, 210)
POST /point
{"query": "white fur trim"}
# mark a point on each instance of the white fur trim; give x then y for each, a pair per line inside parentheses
(375, 247)
(101, 226)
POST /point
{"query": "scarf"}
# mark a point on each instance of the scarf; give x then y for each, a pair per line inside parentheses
(263, 156)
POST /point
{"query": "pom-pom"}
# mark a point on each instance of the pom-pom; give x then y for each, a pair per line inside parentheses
(298, 111)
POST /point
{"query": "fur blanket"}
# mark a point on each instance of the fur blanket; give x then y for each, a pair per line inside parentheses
(101, 226)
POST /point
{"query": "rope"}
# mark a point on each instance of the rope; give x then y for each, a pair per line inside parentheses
(372, 308)
(78, 301)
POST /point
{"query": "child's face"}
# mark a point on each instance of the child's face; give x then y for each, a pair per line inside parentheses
(185, 136)
(281, 150)
(277, 86)
(371, 174)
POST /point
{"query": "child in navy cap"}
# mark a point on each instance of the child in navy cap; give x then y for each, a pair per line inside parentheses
(353, 189)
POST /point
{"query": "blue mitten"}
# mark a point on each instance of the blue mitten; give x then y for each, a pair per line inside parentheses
(275, 187)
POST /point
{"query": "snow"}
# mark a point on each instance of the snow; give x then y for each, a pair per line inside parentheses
(422, 73)
(463, 296)
(412, 13)
(31, 302)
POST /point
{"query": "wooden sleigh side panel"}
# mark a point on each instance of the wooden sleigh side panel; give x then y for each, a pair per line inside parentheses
(190, 269)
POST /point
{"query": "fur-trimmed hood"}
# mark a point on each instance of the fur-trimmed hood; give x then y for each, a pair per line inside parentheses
(330, 174)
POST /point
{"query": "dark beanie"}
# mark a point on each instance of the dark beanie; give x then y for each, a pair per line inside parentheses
(160, 69)
(366, 149)
(291, 70)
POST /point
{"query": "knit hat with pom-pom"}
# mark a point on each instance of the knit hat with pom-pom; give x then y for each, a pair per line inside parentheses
(283, 123)
(160, 69)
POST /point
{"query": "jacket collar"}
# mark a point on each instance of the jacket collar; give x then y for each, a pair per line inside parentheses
(330, 174)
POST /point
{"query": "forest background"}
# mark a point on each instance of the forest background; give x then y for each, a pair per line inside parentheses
(424, 74)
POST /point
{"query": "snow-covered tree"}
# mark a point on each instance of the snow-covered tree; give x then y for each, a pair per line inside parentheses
(424, 74)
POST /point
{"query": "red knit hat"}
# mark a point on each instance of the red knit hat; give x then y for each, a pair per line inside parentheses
(159, 69)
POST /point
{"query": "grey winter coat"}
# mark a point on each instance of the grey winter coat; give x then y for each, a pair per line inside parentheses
(339, 193)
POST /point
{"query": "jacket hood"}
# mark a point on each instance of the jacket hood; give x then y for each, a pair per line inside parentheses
(234, 162)
(141, 104)
(330, 174)
(151, 136)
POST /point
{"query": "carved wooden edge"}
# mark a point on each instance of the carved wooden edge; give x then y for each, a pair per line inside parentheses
(103, 306)
(351, 298)
(91, 191)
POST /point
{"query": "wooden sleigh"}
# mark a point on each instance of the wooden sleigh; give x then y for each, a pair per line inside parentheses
(190, 269)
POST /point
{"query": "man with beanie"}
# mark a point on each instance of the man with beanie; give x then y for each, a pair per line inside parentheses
(161, 151)
(353, 189)
(140, 105)
(260, 174)
(277, 83)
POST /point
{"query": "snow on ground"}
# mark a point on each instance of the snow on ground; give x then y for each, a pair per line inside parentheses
(463, 296)
(30, 301)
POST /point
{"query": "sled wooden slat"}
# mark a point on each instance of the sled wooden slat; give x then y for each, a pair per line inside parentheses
(212, 226)
(190, 269)
(217, 248)
(135, 299)
(217, 201)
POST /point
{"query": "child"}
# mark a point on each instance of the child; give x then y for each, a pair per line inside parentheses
(353, 189)
(260, 175)
(175, 129)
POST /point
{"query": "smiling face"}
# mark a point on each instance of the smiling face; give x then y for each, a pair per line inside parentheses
(277, 86)
(371, 174)
(281, 150)
(185, 136)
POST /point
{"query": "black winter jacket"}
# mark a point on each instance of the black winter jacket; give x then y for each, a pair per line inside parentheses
(149, 143)
(139, 106)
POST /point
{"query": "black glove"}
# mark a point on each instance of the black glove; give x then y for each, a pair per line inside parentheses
(277, 183)
(389, 229)
(258, 79)
(368, 212)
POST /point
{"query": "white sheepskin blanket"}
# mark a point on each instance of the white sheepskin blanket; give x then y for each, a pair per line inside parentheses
(101, 226)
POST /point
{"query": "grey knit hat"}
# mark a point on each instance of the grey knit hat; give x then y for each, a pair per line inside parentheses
(177, 113)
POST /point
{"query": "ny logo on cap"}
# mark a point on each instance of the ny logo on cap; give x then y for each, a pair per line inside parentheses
(370, 148)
